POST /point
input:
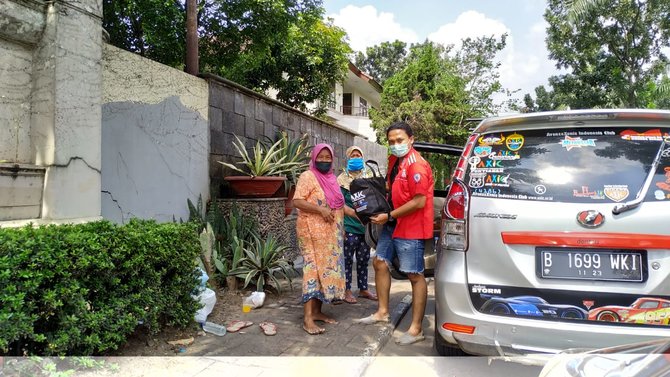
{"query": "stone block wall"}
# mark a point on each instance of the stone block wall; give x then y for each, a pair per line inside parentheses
(236, 110)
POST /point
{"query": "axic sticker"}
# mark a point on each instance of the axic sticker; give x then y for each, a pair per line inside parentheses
(616, 193)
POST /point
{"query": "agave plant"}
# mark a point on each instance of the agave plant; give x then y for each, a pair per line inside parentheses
(296, 152)
(263, 259)
(264, 160)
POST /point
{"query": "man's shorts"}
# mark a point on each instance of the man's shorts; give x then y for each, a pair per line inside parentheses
(409, 252)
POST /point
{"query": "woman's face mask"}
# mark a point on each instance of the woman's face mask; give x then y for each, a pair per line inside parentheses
(355, 164)
(323, 166)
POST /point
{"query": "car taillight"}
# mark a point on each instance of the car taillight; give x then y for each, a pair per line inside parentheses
(454, 218)
(462, 164)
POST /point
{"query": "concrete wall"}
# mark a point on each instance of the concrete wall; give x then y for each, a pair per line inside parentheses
(50, 83)
(155, 138)
(21, 26)
(235, 110)
(16, 63)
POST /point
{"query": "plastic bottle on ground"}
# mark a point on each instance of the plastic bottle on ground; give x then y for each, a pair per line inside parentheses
(214, 328)
(247, 304)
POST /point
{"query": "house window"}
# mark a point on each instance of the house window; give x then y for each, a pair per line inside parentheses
(346, 103)
(363, 107)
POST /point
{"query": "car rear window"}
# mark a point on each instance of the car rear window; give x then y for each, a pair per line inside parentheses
(604, 164)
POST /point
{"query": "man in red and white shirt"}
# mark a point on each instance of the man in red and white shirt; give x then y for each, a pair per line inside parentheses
(405, 228)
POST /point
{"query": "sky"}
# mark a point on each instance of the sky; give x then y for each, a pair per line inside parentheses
(524, 62)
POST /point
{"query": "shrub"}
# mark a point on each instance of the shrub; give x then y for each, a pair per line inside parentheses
(82, 289)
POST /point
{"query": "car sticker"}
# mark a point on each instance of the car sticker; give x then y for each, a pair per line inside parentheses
(489, 192)
(616, 193)
(491, 140)
(665, 185)
(482, 151)
(585, 193)
(487, 166)
(601, 308)
(659, 195)
(514, 142)
(504, 156)
(650, 135)
(576, 142)
(477, 179)
(496, 180)
(582, 133)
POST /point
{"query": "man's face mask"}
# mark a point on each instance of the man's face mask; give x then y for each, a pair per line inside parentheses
(399, 150)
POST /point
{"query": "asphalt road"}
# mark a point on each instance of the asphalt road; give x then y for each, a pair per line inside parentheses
(421, 359)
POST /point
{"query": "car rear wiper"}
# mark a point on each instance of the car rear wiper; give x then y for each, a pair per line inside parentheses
(623, 207)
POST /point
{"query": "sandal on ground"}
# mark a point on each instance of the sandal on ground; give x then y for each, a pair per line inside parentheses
(371, 320)
(268, 328)
(407, 339)
(369, 295)
(349, 298)
(314, 332)
(237, 325)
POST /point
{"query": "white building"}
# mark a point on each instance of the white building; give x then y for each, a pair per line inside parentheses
(351, 101)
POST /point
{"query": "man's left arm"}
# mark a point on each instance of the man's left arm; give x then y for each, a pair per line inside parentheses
(419, 184)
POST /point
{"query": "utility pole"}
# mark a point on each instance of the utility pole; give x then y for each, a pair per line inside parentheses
(191, 37)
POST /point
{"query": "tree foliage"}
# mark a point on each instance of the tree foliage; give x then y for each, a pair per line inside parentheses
(439, 88)
(281, 44)
(383, 61)
(613, 50)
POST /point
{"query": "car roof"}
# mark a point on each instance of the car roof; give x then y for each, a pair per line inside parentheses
(449, 149)
(540, 119)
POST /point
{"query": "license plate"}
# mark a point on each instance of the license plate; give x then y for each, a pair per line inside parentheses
(583, 264)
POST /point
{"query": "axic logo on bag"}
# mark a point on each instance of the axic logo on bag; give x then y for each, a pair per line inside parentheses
(358, 199)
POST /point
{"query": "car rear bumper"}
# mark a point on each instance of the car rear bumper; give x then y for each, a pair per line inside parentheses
(513, 336)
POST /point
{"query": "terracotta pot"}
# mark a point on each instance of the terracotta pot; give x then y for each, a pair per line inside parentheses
(257, 187)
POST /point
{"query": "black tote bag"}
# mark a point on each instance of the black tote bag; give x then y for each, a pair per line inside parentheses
(368, 195)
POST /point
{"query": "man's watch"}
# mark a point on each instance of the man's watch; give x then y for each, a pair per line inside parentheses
(391, 218)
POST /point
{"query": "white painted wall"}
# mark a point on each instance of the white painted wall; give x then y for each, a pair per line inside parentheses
(155, 138)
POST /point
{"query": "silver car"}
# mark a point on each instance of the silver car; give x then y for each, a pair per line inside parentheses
(555, 234)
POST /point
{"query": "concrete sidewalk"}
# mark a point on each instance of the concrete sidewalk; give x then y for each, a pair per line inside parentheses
(249, 352)
(343, 339)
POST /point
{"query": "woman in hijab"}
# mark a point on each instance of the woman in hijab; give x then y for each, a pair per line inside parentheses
(354, 240)
(320, 232)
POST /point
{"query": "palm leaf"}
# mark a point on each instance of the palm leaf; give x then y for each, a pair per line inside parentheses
(580, 9)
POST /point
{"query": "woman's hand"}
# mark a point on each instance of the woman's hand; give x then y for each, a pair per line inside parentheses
(327, 214)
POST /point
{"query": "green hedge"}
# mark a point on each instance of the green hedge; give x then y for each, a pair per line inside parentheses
(82, 289)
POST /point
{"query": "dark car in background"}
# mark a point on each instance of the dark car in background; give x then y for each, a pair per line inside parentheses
(442, 159)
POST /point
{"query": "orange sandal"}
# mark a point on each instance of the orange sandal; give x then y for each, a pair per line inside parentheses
(268, 328)
(236, 325)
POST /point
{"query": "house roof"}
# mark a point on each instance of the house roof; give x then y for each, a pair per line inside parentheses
(365, 77)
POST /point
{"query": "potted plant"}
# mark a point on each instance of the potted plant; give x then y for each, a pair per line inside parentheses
(264, 170)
